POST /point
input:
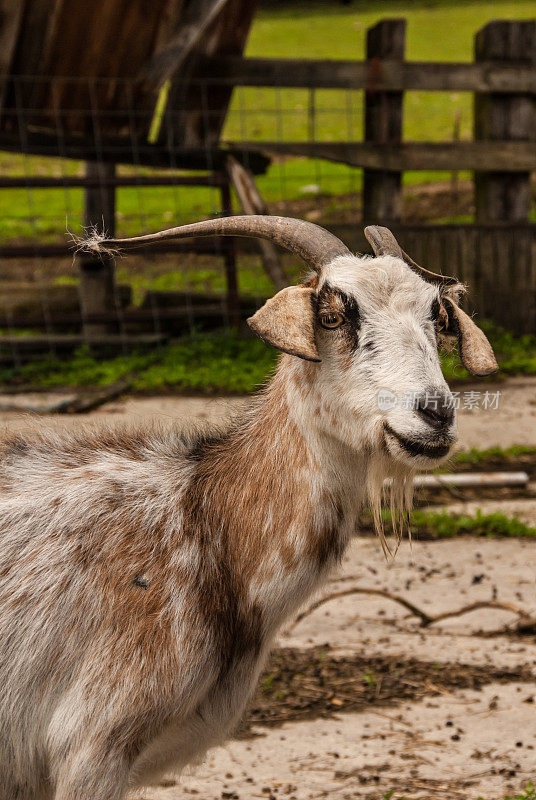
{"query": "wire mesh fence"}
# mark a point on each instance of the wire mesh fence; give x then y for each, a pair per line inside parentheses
(68, 143)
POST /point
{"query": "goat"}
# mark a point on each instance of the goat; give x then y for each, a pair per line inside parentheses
(144, 575)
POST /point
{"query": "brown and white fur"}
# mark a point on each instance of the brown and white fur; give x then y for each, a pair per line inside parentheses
(144, 575)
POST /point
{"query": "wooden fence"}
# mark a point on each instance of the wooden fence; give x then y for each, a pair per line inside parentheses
(496, 255)
(502, 78)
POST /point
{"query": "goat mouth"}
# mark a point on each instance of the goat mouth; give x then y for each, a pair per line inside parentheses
(418, 449)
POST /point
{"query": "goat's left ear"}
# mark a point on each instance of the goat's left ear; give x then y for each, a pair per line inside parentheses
(475, 351)
(286, 321)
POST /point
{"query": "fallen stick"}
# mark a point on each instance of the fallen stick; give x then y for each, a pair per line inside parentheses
(84, 403)
(79, 404)
(425, 618)
(526, 622)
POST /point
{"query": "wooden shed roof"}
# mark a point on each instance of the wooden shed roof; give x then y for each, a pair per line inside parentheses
(73, 74)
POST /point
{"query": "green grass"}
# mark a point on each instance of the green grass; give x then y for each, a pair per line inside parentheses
(437, 30)
(445, 525)
(206, 364)
(475, 456)
(210, 364)
(219, 362)
(442, 525)
(309, 30)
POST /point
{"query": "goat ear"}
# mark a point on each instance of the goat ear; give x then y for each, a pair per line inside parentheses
(286, 321)
(475, 351)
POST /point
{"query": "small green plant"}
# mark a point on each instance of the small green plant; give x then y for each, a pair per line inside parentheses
(370, 679)
(528, 793)
(267, 683)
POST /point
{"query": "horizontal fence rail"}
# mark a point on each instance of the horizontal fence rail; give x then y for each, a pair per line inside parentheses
(374, 75)
(80, 182)
(407, 156)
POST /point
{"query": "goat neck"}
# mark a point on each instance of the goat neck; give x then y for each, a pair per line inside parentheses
(283, 492)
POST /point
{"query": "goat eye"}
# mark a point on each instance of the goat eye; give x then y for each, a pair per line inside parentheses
(331, 320)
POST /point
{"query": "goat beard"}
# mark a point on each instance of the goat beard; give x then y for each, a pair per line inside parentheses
(390, 499)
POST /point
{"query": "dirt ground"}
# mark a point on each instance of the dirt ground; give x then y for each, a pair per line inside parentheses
(359, 699)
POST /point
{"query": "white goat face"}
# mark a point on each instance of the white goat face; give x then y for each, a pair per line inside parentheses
(376, 331)
(372, 326)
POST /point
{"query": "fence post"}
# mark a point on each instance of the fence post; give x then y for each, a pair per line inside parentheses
(382, 189)
(97, 275)
(229, 258)
(502, 195)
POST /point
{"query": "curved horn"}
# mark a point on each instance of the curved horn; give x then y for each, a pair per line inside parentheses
(384, 244)
(313, 244)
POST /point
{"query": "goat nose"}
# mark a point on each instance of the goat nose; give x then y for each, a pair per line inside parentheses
(436, 409)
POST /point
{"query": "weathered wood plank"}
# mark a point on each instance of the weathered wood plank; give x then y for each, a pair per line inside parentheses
(503, 195)
(207, 247)
(124, 151)
(43, 182)
(386, 76)
(143, 316)
(382, 191)
(67, 341)
(193, 24)
(78, 59)
(514, 156)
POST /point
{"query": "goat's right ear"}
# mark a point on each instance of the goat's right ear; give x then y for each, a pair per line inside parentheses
(286, 321)
(476, 352)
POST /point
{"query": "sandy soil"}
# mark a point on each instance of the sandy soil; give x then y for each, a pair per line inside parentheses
(411, 750)
(410, 746)
(448, 742)
(442, 742)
